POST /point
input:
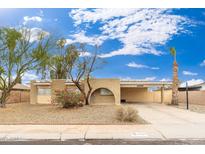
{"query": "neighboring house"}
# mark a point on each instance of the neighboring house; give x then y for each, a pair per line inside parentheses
(195, 94)
(19, 94)
(201, 85)
(195, 87)
(104, 91)
(22, 87)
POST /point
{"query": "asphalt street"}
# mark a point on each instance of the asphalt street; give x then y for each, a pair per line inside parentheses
(106, 142)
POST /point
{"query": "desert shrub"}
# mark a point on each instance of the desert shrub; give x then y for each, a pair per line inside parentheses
(68, 99)
(127, 114)
(120, 113)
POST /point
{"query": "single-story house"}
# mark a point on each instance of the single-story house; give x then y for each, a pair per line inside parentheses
(104, 91)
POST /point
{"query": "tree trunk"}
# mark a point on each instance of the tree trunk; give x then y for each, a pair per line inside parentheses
(4, 95)
(175, 84)
(89, 91)
(86, 101)
(86, 98)
(2, 105)
(3, 99)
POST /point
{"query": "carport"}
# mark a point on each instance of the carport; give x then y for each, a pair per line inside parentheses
(139, 91)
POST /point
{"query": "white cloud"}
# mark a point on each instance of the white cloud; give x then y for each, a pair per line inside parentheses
(139, 30)
(28, 76)
(34, 19)
(134, 65)
(85, 15)
(83, 54)
(82, 38)
(192, 82)
(35, 32)
(152, 78)
(165, 79)
(189, 73)
(203, 63)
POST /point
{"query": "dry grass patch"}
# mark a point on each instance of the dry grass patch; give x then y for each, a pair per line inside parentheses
(50, 114)
(127, 114)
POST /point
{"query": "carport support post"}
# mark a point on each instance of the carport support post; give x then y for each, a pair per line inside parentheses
(162, 94)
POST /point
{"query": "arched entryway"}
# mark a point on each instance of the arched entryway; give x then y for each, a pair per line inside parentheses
(102, 96)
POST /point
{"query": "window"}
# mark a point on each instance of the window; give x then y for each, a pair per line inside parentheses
(105, 92)
(44, 91)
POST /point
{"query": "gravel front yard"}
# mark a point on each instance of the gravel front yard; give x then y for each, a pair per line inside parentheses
(193, 107)
(49, 114)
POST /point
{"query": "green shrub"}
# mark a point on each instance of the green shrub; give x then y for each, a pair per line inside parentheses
(127, 114)
(68, 99)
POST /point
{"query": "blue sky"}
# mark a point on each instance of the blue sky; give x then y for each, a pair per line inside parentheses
(134, 42)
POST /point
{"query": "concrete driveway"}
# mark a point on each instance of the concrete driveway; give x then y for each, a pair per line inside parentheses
(173, 122)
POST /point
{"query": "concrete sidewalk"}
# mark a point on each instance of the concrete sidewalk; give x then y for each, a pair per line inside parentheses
(65, 132)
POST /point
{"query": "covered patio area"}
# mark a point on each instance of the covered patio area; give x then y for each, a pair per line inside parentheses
(145, 92)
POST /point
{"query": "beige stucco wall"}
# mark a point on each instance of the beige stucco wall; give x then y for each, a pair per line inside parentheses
(99, 99)
(39, 99)
(195, 97)
(143, 95)
(57, 85)
(167, 96)
(33, 93)
(72, 88)
(18, 96)
(136, 95)
(111, 84)
(43, 99)
(156, 96)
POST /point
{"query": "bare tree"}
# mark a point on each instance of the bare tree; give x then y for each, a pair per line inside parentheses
(82, 66)
(73, 62)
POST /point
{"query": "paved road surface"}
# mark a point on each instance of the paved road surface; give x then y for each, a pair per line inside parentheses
(105, 142)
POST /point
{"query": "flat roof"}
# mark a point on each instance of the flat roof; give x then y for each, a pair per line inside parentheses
(145, 82)
(123, 83)
(138, 83)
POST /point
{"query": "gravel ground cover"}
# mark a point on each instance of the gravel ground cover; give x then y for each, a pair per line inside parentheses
(193, 107)
(24, 113)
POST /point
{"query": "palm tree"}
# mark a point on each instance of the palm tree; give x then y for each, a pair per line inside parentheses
(173, 53)
(175, 82)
